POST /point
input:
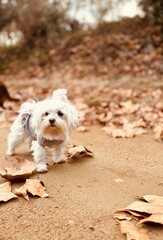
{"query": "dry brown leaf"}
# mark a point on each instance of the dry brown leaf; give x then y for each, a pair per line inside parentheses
(122, 215)
(21, 169)
(132, 232)
(5, 192)
(155, 218)
(139, 131)
(145, 207)
(127, 131)
(158, 132)
(137, 215)
(78, 152)
(149, 210)
(116, 133)
(35, 187)
(158, 200)
(129, 106)
(139, 123)
(105, 117)
(82, 129)
(132, 214)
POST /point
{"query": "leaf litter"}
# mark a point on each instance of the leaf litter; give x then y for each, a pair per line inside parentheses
(5, 192)
(32, 186)
(20, 169)
(132, 232)
(126, 113)
(76, 152)
(149, 208)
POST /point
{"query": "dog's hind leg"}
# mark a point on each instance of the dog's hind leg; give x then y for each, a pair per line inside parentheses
(15, 138)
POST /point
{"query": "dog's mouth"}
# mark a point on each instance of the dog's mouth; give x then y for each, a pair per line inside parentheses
(52, 125)
(53, 131)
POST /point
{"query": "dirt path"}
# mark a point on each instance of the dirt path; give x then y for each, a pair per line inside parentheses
(83, 194)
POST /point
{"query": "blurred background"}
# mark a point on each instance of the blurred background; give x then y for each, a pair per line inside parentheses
(81, 38)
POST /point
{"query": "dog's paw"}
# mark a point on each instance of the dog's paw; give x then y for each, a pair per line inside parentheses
(60, 161)
(9, 153)
(42, 168)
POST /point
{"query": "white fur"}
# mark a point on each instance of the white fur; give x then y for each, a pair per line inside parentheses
(47, 122)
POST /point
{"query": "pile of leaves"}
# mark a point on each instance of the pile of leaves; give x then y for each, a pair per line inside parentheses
(124, 112)
(108, 54)
(147, 209)
(20, 170)
(137, 53)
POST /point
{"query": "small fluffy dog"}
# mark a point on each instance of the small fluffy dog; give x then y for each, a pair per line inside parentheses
(47, 123)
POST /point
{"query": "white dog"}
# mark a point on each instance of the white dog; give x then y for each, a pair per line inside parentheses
(47, 123)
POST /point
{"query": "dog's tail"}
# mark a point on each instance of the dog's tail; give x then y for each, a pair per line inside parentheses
(60, 94)
(27, 107)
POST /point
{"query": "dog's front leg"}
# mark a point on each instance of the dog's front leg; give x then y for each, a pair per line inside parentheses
(39, 157)
(58, 155)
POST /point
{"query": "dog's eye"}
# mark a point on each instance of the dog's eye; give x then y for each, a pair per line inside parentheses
(60, 113)
(46, 113)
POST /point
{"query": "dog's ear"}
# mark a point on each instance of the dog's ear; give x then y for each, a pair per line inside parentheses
(60, 94)
(73, 118)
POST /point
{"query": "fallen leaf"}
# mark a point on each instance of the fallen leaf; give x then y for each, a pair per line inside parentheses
(153, 199)
(129, 106)
(145, 207)
(5, 192)
(116, 133)
(78, 152)
(121, 215)
(137, 215)
(21, 169)
(158, 132)
(139, 131)
(103, 118)
(133, 215)
(148, 209)
(156, 218)
(132, 232)
(35, 187)
(82, 129)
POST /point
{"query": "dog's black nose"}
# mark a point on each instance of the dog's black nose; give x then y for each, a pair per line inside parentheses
(52, 121)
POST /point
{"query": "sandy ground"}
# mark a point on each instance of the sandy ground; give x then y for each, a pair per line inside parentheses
(83, 195)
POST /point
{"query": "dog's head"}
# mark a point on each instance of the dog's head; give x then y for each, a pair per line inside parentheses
(55, 117)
